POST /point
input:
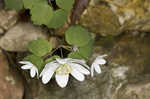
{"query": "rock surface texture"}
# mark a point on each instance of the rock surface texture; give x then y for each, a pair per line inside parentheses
(18, 37)
(112, 17)
(7, 19)
(137, 89)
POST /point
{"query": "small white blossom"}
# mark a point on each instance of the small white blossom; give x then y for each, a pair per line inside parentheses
(28, 65)
(96, 64)
(62, 68)
(75, 48)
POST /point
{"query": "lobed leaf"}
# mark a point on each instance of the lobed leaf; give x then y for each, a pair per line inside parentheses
(76, 35)
(51, 58)
(65, 4)
(14, 4)
(75, 55)
(87, 50)
(39, 47)
(84, 52)
(30, 3)
(41, 13)
(58, 19)
(36, 60)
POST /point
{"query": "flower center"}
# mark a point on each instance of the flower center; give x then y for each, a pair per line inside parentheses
(64, 69)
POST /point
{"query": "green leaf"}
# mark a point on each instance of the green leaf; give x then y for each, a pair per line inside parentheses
(76, 35)
(65, 4)
(36, 60)
(39, 47)
(51, 58)
(75, 55)
(41, 14)
(30, 3)
(14, 4)
(84, 52)
(58, 20)
(87, 50)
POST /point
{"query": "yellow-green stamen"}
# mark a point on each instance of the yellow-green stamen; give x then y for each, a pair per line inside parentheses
(64, 69)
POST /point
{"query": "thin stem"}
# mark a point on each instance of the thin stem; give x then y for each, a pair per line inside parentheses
(67, 47)
(50, 54)
(61, 46)
(61, 52)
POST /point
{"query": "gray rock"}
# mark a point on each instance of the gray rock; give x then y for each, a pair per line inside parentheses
(132, 15)
(8, 19)
(112, 17)
(100, 19)
(139, 88)
(18, 37)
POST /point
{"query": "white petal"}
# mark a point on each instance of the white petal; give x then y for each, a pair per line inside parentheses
(76, 74)
(92, 70)
(62, 61)
(100, 61)
(81, 69)
(42, 73)
(25, 62)
(32, 72)
(62, 80)
(47, 76)
(26, 67)
(97, 68)
(102, 56)
(52, 66)
(81, 61)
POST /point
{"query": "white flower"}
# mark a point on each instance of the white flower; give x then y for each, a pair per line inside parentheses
(75, 48)
(62, 68)
(95, 65)
(29, 65)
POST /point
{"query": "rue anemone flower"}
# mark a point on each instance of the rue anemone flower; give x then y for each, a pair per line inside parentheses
(29, 66)
(97, 63)
(62, 68)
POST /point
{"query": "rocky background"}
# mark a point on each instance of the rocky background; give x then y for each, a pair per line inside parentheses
(122, 31)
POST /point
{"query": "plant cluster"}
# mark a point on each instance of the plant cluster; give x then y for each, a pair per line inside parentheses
(41, 51)
(42, 12)
(78, 41)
